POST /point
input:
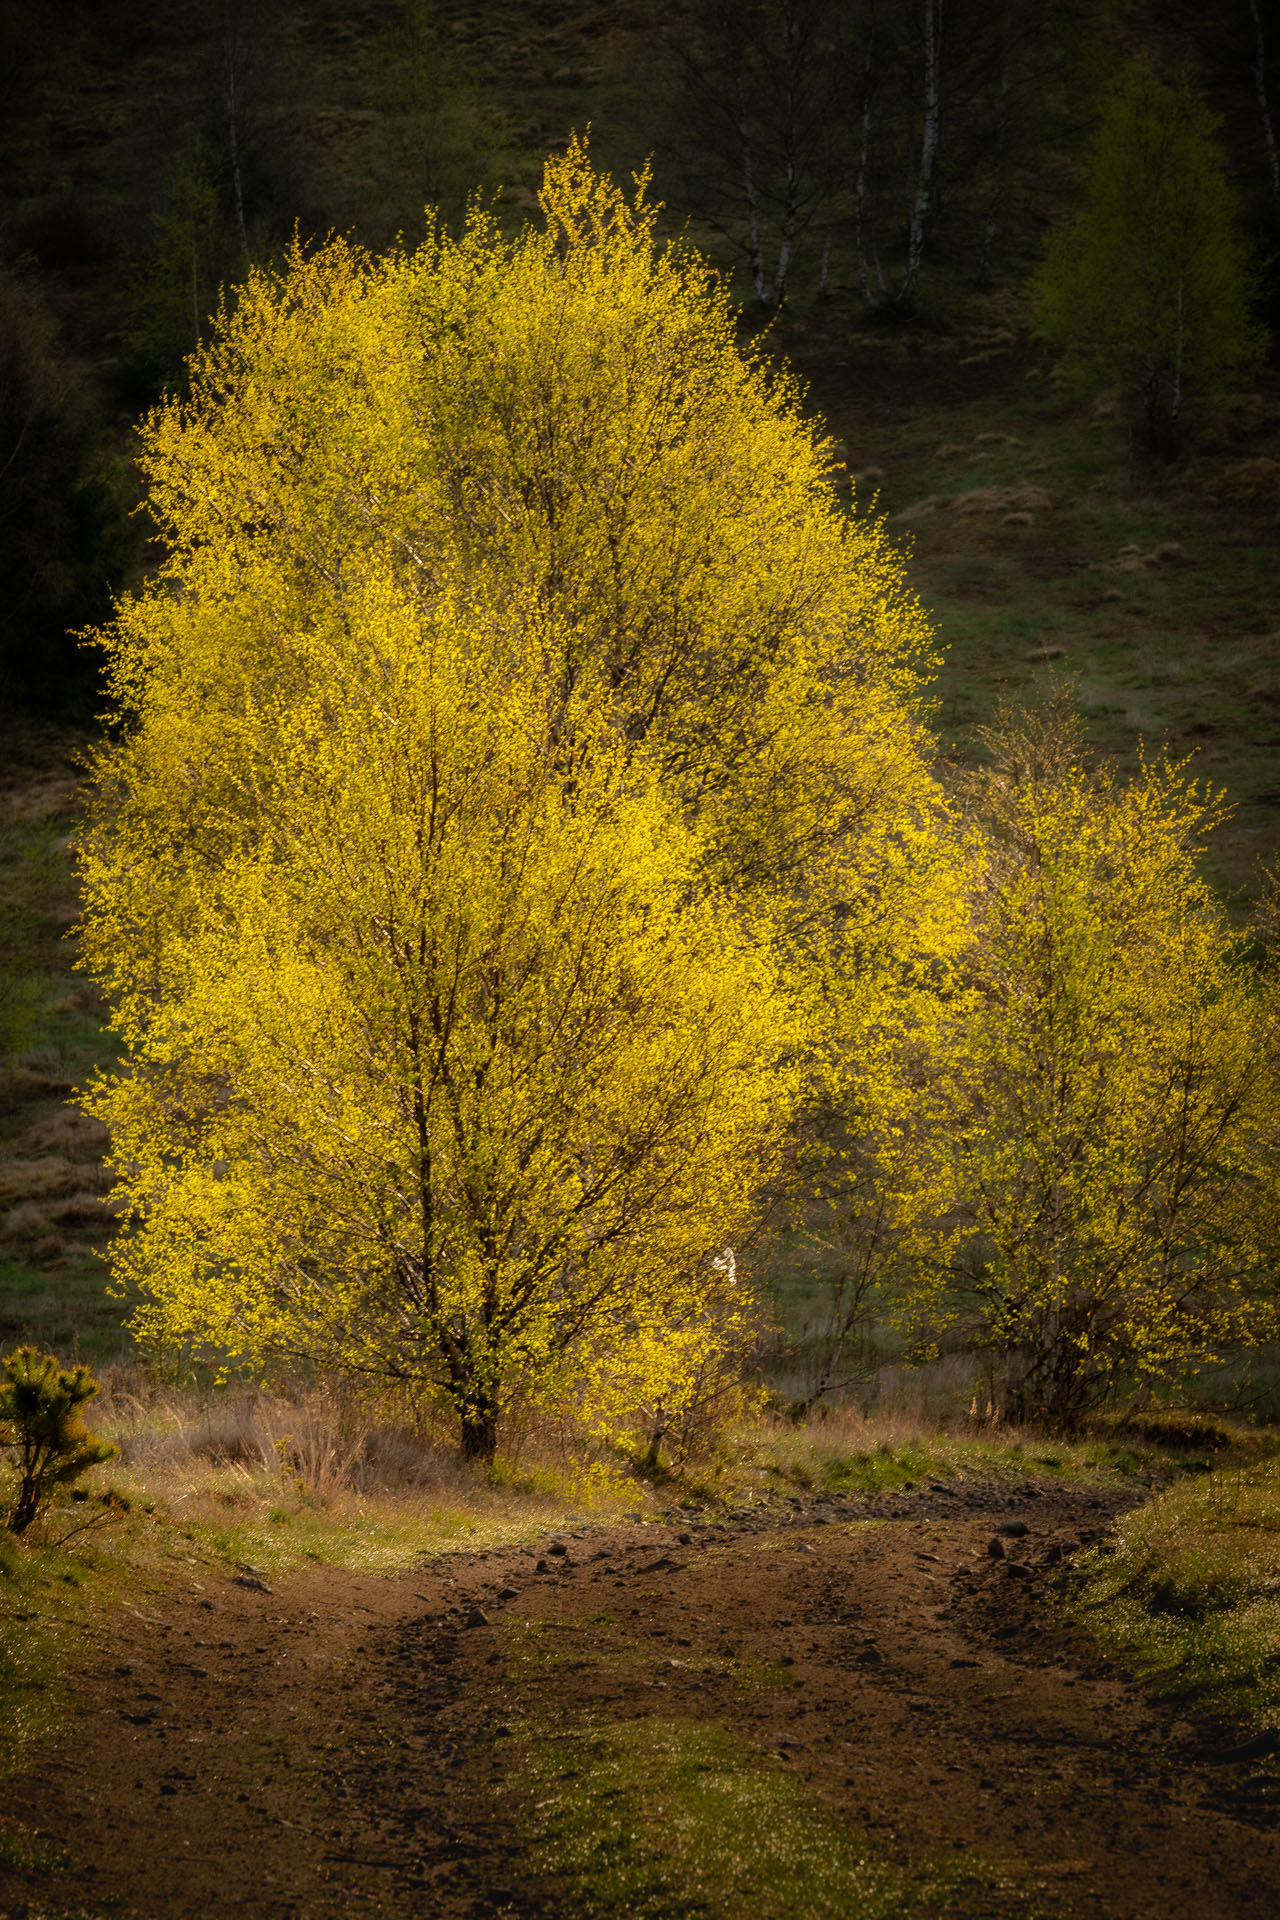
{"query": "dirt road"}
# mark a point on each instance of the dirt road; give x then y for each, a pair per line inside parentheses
(351, 1745)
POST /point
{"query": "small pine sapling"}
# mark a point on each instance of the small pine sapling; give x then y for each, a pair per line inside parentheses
(40, 1404)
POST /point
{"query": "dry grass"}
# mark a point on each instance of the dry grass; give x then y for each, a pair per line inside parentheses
(40, 797)
(1251, 484)
(323, 1443)
(1016, 499)
(22, 1180)
(258, 1475)
(66, 1220)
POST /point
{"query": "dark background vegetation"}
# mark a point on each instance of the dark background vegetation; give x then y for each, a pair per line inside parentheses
(151, 153)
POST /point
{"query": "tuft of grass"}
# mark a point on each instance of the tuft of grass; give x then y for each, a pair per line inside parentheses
(28, 1856)
(672, 1820)
(1187, 1593)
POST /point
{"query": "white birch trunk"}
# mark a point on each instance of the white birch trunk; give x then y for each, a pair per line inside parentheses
(1264, 105)
(928, 145)
(754, 249)
(791, 206)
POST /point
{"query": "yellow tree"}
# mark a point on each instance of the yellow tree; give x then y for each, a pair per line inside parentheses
(1092, 1125)
(445, 1071)
(514, 712)
(567, 416)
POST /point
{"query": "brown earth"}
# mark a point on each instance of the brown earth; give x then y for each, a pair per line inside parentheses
(350, 1745)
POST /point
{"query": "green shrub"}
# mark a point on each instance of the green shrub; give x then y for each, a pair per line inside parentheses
(40, 1404)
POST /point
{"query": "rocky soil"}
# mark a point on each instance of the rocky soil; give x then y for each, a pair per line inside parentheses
(350, 1745)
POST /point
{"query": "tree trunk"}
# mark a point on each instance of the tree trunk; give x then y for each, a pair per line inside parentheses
(478, 1418)
(1264, 105)
(652, 1461)
(755, 251)
(233, 142)
(778, 292)
(923, 201)
(871, 298)
(791, 209)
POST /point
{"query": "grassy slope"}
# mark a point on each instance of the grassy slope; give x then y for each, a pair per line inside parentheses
(1151, 594)
(52, 1284)
(1188, 1594)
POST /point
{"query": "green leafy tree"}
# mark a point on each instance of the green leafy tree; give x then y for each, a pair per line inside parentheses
(174, 287)
(1150, 283)
(437, 131)
(521, 740)
(40, 1420)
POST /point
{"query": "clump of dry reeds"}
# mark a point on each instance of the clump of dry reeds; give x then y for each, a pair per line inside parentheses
(320, 1443)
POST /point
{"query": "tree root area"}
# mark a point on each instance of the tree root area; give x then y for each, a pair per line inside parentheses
(349, 1744)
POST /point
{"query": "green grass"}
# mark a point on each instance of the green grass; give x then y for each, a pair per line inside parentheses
(673, 1820)
(1176, 653)
(1187, 1594)
(45, 1595)
(28, 1856)
(65, 1309)
(601, 1642)
(385, 1535)
(833, 1456)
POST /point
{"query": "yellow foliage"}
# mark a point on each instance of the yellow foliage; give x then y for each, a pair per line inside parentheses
(1092, 1123)
(523, 786)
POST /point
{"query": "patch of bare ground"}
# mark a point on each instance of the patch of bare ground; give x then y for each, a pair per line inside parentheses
(347, 1744)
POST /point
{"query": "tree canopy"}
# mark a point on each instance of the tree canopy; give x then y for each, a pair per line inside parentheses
(522, 774)
(1093, 1130)
(1151, 280)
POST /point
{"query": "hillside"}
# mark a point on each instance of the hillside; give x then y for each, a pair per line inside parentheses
(150, 152)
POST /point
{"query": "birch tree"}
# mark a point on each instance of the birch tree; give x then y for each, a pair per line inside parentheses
(518, 734)
(762, 78)
(1093, 1127)
(1150, 283)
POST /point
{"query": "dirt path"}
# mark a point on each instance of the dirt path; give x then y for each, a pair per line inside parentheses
(351, 1745)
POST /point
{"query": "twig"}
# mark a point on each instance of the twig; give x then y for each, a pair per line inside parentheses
(97, 1520)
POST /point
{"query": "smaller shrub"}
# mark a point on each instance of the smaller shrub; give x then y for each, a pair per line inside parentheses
(40, 1404)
